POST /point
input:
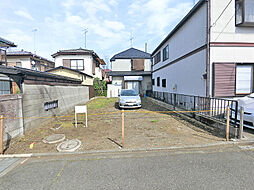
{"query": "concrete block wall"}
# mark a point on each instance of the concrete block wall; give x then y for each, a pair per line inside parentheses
(34, 97)
(11, 107)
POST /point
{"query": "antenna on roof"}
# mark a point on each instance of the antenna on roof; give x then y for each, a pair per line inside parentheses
(146, 47)
(34, 31)
(85, 31)
(131, 39)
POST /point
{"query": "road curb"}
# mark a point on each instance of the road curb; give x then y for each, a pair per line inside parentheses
(30, 155)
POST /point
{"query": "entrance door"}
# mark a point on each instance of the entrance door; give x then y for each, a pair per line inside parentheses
(133, 85)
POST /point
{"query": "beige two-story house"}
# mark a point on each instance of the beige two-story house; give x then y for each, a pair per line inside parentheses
(131, 69)
(83, 60)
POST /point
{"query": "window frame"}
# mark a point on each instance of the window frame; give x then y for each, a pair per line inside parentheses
(243, 12)
(153, 82)
(165, 53)
(252, 79)
(3, 90)
(20, 64)
(77, 67)
(158, 81)
(164, 83)
(157, 57)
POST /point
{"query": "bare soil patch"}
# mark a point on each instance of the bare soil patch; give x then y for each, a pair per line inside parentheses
(142, 130)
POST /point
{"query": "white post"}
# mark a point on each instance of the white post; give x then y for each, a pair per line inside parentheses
(86, 119)
(76, 119)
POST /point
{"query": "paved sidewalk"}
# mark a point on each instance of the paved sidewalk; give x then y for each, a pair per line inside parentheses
(6, 163)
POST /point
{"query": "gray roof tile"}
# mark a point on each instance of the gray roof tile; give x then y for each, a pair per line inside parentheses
(131, 53)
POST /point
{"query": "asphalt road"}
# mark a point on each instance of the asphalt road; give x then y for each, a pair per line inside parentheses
(203, 169)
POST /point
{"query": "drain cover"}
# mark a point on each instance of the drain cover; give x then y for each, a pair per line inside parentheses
(54, 138)
(69, 146)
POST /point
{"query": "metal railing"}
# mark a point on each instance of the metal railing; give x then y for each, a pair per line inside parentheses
(214, 108)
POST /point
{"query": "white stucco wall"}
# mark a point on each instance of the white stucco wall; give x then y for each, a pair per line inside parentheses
(231, 55)
(185, 74)
(189, 37)
(224, 29)
(25, 62)
(98, 73)
(88, 61)
(121, 65)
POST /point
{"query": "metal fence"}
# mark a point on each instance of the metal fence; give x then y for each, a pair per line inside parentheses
(214, 108)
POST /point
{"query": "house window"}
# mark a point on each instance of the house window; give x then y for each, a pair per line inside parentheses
(157, 57)
(164, 83)
(165, 53)
(244, 11)
(158, 81)
(5, 87)
(18, 64)
(244, 78)
(153, 82)
(77, 64)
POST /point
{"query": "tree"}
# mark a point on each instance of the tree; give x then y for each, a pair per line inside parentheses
(100, 87)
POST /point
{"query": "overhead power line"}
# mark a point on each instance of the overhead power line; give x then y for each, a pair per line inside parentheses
(221, 13)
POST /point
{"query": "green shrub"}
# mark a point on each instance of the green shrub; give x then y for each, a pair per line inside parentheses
(100, 87)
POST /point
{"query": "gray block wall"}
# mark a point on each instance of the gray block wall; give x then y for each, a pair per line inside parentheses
(11, 107)
(34, 97)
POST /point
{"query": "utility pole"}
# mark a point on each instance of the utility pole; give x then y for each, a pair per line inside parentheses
(34, 31)
(85, 31)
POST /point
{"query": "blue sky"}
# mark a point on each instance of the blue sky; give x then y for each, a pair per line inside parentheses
(60, 24)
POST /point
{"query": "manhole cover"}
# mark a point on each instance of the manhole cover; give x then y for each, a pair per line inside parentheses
(54, 138)
(69, 146)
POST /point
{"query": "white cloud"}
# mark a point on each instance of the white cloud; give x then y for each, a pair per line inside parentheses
(23, 13)
(68, 3)
(19, 37)
(113, 3)
(93, 6)
(158, 15)
(114, 25)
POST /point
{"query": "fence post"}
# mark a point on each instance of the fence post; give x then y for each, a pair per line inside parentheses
(236, 111)
(227, 129)
(2, 134)
(241, 123)
(174, 101)
(122, 128)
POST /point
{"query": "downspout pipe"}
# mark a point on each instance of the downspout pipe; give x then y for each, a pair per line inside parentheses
(208, 84)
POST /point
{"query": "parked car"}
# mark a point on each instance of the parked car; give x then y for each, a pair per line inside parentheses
(247, 102)
(129, 98)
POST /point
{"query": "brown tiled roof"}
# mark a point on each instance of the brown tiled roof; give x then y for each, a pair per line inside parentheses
(79, 51)
(26, 53)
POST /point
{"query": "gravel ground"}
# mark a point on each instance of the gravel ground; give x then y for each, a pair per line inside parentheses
(142, 130)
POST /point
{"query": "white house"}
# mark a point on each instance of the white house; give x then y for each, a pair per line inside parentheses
(131, 69)
(210, 52)
(86, 61)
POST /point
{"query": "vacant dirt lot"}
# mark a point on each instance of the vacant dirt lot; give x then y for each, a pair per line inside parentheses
(142, 130)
